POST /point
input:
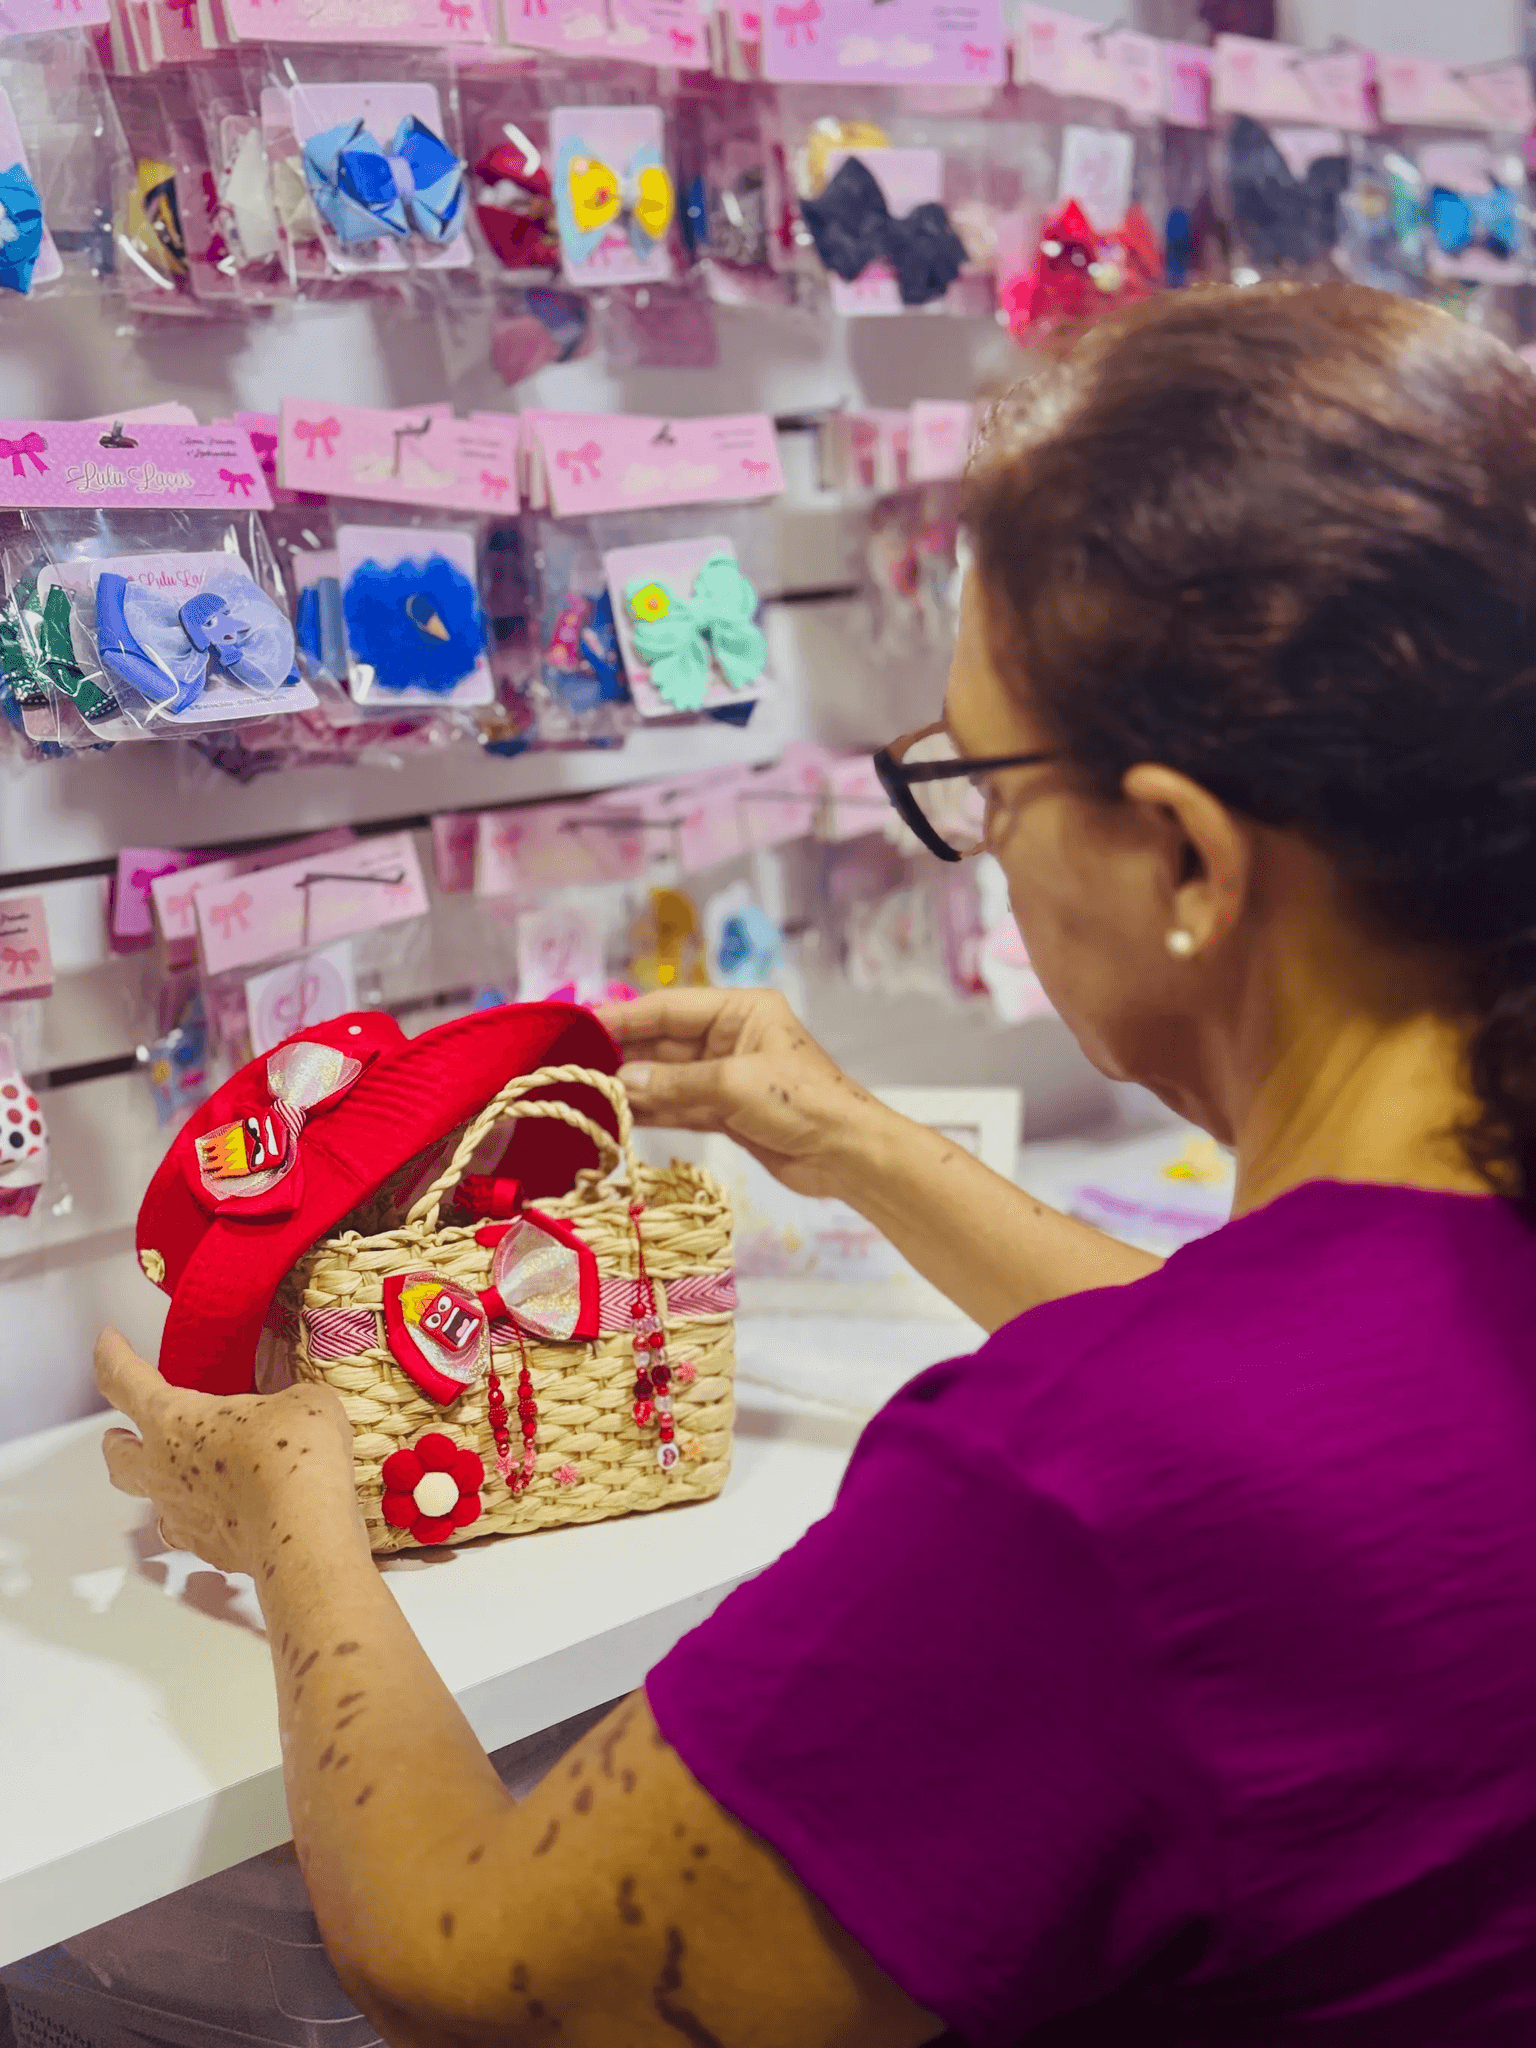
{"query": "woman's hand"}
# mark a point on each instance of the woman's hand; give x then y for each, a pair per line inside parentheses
(216, 1466)
(740, 1061)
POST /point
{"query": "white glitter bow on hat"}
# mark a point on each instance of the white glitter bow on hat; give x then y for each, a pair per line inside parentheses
(248, 1157)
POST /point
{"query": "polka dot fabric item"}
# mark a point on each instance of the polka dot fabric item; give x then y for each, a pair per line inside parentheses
(23, 1138)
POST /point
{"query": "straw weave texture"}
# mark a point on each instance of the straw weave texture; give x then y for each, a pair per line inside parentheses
(592, 1459)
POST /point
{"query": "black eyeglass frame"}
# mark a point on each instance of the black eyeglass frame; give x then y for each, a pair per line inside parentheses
(896, 778)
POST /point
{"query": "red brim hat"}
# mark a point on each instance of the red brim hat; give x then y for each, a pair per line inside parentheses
(289, 1146)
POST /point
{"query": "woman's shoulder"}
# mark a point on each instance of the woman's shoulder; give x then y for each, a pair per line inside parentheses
(1333, 1309)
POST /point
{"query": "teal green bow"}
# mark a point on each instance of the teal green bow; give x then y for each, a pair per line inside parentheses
(681, 639)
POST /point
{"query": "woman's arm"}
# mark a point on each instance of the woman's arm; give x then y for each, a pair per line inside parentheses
(739, 1061)
(617, 1907)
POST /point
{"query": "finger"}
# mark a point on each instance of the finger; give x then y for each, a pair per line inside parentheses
(129, 1385)
(695, 1097)
(683, 1014)
(127, 1463)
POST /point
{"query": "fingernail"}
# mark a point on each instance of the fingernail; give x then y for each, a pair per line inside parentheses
(636, 1079)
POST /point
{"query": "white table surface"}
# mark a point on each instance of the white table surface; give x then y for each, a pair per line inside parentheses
(138, 1722)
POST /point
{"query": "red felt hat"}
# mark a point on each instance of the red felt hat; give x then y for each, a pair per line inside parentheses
(275, 1159)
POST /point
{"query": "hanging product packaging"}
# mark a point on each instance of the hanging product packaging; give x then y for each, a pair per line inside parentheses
(477, 1302)
(578, 692)
(735, 211)
(615, 199)
(1092, 245)
(258, 219)
(411, 611)
(379, 162)
(63, 157)
(155, 270)
(1286, 118)
(506, 132)
(687, 617)
(149, 602)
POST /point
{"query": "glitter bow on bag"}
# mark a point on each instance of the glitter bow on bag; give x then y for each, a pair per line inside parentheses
(681, 639)
(591, 198)
(365, 192)
(852, 227)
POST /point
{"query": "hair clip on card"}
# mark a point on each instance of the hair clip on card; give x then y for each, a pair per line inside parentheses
(364, 191)
(21, 229)
(162, 646)
(677, 636)
(591, 198)
(417, 625)
(852, 227)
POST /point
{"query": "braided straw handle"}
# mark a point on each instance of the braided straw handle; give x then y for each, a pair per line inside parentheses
(508, 1107)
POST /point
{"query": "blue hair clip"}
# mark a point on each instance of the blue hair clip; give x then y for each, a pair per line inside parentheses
(417, 625)
(162, 649)
(1476, 220)
(365, 192)
(21, 229)
(319, 628)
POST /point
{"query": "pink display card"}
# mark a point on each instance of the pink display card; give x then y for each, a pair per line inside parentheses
(898, 42)
(308, 903)
(618, 462)
(26, 958)
(418, 457)
(63, 462)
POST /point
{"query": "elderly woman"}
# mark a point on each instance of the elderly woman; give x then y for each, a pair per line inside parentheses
(1165, 1672)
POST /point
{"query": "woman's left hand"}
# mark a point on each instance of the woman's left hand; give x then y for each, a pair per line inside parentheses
(214, 1465)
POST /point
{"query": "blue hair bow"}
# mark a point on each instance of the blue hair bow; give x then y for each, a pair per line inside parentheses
(1481, 220)
(364, 192)
(418, 624)
(21, 229)
(162, 648)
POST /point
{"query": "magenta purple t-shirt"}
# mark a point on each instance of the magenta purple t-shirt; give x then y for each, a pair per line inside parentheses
(1165, 1674)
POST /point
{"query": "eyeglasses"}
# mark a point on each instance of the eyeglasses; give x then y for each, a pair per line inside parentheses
(938, 792)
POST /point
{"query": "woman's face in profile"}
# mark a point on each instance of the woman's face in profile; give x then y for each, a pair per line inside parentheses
(1086, 878)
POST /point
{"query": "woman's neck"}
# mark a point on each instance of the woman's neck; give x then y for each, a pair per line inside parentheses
(1362, 1099)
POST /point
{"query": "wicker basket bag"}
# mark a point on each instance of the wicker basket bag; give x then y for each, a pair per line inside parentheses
(571, 1363)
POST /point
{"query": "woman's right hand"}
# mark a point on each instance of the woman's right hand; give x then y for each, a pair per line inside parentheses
(740, 1061)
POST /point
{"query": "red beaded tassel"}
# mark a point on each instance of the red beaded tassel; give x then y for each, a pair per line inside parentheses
(515, 1467)
(653, 1375)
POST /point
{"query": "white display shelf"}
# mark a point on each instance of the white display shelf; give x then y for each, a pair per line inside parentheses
(138, 1720)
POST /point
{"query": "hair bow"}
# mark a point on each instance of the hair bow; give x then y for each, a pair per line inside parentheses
(729, 222)
(1476, 220)
(417, 625)
(544, 1281)
(590, 197)
(21, 228)
(23, 1138)
(1078, 273)
(248, 1160)
(676, 636)
(153, 220)
(1282, 218)
(853, 227)
(363, 191)
(515, 207)
(163, 648)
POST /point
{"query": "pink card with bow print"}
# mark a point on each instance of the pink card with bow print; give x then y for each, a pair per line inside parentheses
(441, 23)
(26, 959)
(302, 992)
(885, 42)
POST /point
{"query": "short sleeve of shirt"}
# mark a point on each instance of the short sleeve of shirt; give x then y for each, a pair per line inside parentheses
(934, 1708)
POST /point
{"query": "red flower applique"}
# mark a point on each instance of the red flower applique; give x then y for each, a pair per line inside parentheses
(433, 1488)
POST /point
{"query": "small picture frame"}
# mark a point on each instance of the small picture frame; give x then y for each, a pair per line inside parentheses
(798, 1255)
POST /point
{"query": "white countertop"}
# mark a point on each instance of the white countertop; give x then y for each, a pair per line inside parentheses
(138, 1723)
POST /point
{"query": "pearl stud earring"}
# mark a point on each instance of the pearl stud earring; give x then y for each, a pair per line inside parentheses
(1180, 943)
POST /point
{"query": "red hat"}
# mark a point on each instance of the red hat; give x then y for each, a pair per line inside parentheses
(275, 1159)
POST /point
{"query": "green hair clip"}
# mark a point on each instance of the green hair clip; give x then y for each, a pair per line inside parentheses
(681, 638)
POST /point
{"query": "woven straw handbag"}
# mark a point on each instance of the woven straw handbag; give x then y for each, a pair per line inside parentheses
(568, 1364)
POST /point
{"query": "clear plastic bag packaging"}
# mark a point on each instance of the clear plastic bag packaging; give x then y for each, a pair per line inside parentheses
(735, 209)
(155, 200)
(506, 135)
(255, 212)
(413, 623)
(146, 624)
(367, 167)
(63, 158)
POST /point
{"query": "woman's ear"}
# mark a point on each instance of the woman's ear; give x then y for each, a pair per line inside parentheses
(1205, 853)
